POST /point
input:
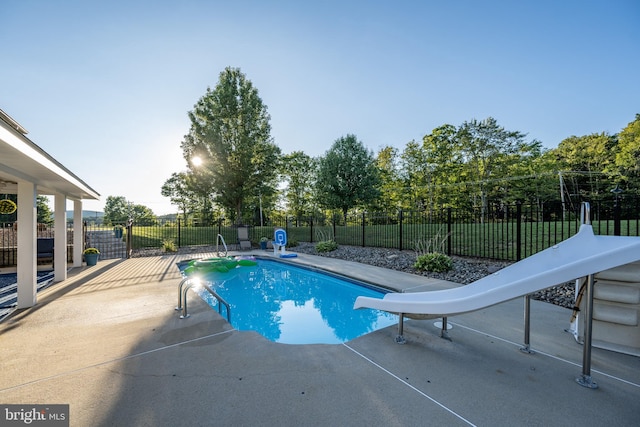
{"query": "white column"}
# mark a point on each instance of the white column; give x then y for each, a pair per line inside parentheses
(78, 233)
(27, 277)
(60, 242)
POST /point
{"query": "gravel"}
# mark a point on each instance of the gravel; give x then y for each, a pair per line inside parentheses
(465, 270)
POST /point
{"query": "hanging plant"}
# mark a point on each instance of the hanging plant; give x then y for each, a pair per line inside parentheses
(7, 207)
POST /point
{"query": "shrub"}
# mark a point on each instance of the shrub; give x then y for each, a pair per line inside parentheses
(90, 251)
(435, 243)
(169, 245)
(434, 261)
(326, 246)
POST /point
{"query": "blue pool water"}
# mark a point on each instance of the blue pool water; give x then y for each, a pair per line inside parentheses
(289, 304)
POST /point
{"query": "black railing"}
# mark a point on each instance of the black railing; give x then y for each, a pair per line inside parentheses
(9, 241)
(503, 232)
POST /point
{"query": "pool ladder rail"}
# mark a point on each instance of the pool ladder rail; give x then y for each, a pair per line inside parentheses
(189, 282)
(218, 240)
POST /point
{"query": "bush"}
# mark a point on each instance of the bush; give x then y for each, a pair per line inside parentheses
(434, 261)
(326, 246)
(169, 245)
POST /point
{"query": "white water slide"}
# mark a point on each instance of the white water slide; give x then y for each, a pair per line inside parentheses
(581, 255)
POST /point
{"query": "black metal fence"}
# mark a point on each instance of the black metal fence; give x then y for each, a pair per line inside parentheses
(503, 232)
(110, 241)
(9, 241)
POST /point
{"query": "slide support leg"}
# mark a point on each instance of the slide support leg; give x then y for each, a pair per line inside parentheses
(444, 333)
(527, 326)
(585, 379)
(400, 338)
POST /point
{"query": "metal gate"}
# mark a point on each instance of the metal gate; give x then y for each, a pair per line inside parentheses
(110, 241)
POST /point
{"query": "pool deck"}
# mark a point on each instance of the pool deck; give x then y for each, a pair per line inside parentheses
(108, 342)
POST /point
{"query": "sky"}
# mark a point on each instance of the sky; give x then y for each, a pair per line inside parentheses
(105, 86)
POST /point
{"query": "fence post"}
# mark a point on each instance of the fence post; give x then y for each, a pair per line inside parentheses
(449, 231)
(84, 235)
(334, 226)
(400, 219)
(364, 220)
(179, 245)
(311, 228)
(616, 217)
(518, 230)
(129, 238)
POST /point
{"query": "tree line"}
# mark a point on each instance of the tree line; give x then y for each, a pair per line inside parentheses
(236, 171)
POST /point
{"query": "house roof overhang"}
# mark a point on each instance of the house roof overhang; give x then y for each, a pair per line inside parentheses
(22, 160)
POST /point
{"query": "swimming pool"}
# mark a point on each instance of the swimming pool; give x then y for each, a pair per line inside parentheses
(294, 305)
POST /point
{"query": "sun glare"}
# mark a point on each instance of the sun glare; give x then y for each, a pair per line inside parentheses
(196, 161)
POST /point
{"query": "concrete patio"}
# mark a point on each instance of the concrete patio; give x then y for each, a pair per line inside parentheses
(108, 342)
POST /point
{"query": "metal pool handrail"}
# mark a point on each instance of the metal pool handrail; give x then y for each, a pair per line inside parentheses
(218, 239)
(185, 285)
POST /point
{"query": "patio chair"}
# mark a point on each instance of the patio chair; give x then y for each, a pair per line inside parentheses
(243, 238)
(44, 249)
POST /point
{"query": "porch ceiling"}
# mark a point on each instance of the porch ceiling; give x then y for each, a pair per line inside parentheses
(23, 160)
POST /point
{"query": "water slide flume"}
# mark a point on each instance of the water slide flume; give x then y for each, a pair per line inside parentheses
(580, 255)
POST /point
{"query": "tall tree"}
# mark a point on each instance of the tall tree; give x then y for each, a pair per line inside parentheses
(387, 162)
(415, 175)
(487, 149)
(628, 158)
(531, 176)
(230, 133)
(43, 212)
(347, 176)
(179, 191)
(298, 172)
(116, 209)
(589, 160)
(143, 215)
(443, 153)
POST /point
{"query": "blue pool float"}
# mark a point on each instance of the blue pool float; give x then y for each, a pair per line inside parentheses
(289, 255)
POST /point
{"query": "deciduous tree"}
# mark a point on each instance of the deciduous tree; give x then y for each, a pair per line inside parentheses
(347, 176)
(628, 156)
(116, 210)
(179, 190)
(487, 150)
(298, 174)
(230, 133)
